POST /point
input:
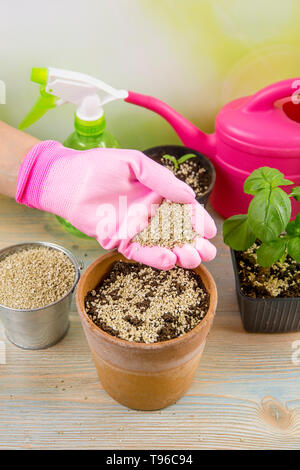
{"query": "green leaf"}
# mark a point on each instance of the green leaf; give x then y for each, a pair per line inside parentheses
(292, 228)
(295, 193)
(268, 213)
(172, 159)
(264, 178)
(237, 233)
(270, 252)
(294, 248)
(185, 157)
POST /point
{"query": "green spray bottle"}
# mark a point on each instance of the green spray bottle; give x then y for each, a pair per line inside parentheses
(57, 87)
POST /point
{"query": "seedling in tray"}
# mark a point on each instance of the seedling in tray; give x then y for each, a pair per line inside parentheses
(178, 161)
(266, 254)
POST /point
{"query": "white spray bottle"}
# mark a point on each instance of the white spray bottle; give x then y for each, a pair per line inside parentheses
(57, 87)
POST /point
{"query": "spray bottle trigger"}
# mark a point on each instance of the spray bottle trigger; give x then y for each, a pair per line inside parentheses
(42, 105)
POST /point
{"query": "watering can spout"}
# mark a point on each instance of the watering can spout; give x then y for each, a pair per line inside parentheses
(190, 135)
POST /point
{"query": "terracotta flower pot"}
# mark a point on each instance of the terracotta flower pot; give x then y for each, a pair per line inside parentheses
(138, 375)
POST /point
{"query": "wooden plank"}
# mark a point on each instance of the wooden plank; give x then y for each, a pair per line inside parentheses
(246, 393)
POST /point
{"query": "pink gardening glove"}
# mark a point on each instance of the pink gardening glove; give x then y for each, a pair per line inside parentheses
(109, 194)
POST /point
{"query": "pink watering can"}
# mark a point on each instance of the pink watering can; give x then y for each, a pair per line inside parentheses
(254, 131)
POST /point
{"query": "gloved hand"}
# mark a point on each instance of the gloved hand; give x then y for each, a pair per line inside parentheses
(109, 194)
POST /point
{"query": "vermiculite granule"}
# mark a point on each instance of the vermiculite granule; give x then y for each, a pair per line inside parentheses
(35, 277)
(170, 226)
(138, 303)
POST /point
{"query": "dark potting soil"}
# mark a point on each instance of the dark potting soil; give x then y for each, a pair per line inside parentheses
(192, 173)
(279, 280)
(142, 304)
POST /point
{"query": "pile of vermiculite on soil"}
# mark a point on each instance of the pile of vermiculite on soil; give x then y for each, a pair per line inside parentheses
(139, 303)
(282, 279)
(35, 277)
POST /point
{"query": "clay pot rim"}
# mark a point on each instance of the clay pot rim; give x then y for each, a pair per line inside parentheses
(211, 287)
(189, 150)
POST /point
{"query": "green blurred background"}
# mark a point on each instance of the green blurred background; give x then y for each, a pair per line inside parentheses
(194, 54)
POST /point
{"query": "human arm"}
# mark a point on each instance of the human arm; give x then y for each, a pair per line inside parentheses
(14, 146)
(110, 194)
(80, 185)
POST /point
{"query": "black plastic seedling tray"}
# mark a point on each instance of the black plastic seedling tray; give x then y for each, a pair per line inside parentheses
(276, 315)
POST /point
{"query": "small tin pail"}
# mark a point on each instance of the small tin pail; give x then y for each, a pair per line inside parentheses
(42, 327)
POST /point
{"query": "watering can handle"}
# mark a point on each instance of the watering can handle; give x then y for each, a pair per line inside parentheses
(265, 98)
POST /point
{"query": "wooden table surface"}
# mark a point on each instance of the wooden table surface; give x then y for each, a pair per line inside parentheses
(246, 393)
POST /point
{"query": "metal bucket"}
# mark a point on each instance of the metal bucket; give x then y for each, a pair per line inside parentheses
(38, 328)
